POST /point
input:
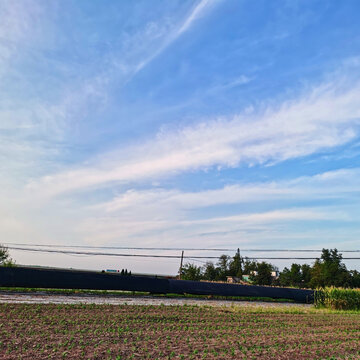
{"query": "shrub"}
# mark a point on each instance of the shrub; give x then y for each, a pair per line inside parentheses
(5, 259)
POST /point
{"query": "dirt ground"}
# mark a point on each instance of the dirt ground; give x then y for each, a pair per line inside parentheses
(81, 331)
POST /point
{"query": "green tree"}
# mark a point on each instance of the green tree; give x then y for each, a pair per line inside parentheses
(355, 278)
(5, 259)
(223, 267)
(297, 276)
(329, 270)
(285, 277)
(305, 275)
(249, 266)
(263, 274)
(191, 272)
(235, 266)
(210, 272)
(292, 276)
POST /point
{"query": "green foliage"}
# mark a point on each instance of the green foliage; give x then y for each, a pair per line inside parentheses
(223, 267)
(235, 266)
(355, 278)
(226, 266)
(329, 271)
(83, 331)
(263, 274)
(296, 276)
(5, 259)
(249, 266)
(338, 298)
(306, 275)
(4, 254)
(191, 272)
(210, 272)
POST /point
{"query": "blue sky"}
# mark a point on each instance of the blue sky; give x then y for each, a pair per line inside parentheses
(211, 123)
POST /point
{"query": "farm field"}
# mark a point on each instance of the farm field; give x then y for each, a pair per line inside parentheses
(29, 331)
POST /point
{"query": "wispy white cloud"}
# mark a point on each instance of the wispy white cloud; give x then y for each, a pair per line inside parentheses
(167, 228)
(322, 119)
(138, 212)
(17, 19)
(196, 13)
(34, 128)
(156, 216)
(199, 10)
(338, 184)
(245, 229)
(241, 80)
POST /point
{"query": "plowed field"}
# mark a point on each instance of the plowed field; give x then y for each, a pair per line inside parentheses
(174, 332)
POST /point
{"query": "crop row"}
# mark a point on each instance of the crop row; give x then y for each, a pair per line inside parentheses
(172, 332)
(338, 298)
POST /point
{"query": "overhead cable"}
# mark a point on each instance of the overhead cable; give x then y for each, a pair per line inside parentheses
(169, 248)
(70, 252)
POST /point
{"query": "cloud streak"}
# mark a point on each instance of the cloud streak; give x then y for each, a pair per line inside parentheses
(158, 216)
(199, 10)
(339, 184)
(324, 119)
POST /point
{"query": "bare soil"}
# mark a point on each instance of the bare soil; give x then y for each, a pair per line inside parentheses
(81, 331)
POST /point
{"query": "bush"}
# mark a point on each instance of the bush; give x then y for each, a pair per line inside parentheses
(191, 272)
(4, 254)
(5, 259)
(338, 298)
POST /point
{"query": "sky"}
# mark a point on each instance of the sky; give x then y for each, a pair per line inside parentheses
(187, 124)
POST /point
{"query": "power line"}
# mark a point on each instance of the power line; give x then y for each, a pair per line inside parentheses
(169, 249)
(70, 252)
(107, 254)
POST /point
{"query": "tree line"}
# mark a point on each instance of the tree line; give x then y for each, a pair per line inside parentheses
(328, 270)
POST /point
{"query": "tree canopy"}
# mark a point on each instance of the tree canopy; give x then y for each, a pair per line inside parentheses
(328, 270)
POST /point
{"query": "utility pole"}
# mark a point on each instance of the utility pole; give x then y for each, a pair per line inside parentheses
(241, 262)
(181, 264)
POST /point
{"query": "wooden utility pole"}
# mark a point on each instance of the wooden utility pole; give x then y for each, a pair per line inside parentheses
(241, 268)
(181, 264)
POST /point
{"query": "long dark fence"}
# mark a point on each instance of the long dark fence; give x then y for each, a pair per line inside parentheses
(75, 279)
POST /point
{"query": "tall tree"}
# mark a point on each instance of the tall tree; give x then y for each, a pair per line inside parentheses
(235, 266)
(305, 275)
(329, 270)
(223, 265)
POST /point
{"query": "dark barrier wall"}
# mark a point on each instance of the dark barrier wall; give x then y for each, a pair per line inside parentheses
(74, 279)
(208, 288)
